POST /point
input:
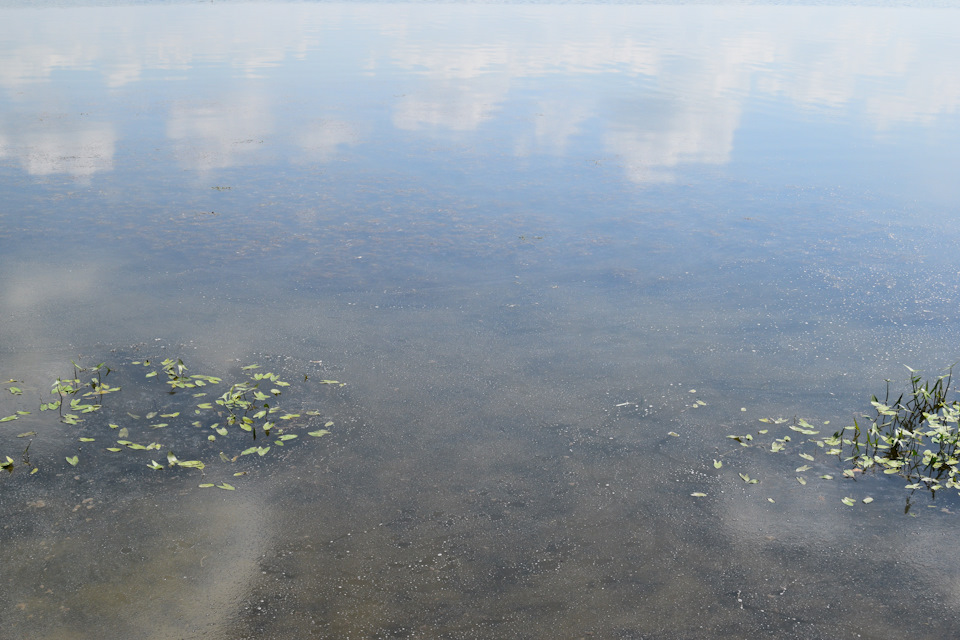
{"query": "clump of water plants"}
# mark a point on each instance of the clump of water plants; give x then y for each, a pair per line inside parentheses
(914, 435)
(190, 422)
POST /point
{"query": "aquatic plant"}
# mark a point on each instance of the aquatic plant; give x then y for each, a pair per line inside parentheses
(915, 437)
(186, 416)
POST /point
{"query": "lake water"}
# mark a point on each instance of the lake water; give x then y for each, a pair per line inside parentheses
(556, 253)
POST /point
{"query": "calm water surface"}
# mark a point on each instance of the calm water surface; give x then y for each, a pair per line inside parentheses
(535, 241)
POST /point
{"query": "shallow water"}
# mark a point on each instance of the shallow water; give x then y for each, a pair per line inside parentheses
(529, 238)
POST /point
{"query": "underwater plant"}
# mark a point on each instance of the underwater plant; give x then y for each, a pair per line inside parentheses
(914, 436)
(188, 415)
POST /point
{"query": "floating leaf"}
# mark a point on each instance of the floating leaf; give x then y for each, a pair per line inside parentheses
(848, 501)
(805, 467)
(698, 494)
(771, 500)
(674, 434)
(806, 456)
(827, 476)
(867, 500)
(716, 463)
(801, 480)
(26, 434)
(155, 465)
(224, 485)
(86, 439)
(73, 460)
(318, 434)
(205, 485)
(9, 418)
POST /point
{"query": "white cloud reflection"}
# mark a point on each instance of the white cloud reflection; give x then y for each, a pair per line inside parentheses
(453, 106)
(668, 84)
(223, 133)
(320, 141)
(62, 146)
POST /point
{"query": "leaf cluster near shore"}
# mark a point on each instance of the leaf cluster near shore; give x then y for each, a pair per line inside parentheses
(915, 436)
(190, 422)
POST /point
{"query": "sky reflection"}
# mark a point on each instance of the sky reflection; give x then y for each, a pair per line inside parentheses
(655, 88)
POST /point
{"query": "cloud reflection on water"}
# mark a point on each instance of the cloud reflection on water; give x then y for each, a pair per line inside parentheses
(658, 87)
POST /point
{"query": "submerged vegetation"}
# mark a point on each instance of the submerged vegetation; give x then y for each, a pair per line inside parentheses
(915, 436)
(190, 423)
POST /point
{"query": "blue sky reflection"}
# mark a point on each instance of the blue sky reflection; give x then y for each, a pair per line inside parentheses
(655, 89)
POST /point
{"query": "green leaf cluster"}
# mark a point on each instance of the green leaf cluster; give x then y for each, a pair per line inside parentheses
(248, 408)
